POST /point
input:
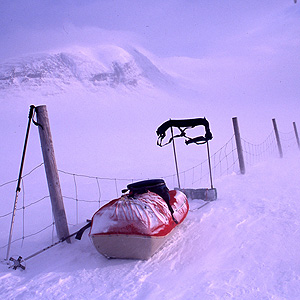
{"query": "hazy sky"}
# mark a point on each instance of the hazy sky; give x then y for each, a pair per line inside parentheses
(247, 51)
(167, 28)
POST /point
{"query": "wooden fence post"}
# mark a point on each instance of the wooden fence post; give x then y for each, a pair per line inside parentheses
(239, 145)
(277, 138)
(52, 173)
(296, 134)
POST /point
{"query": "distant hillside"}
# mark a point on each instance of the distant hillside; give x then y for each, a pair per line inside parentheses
(105, 66)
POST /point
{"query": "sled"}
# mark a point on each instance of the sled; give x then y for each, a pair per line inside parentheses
(136, 225)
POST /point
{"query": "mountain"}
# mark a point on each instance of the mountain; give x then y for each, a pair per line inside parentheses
(104, 66)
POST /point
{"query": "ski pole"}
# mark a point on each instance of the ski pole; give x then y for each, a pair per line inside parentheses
(17, 263)
(18, 189)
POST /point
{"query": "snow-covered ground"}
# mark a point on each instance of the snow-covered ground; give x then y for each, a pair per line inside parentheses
(104, 108)
(245, 245)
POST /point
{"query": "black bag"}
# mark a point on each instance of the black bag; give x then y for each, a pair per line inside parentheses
(156, 186)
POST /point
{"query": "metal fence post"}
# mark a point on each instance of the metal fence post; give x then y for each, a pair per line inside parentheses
(277, 138)
(175, 157)
(296, 134)
(239, 145)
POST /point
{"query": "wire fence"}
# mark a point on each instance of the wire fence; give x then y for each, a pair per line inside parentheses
(28, 223)
(223, 162)
(84, 194)
(255, 153)
(289, 141)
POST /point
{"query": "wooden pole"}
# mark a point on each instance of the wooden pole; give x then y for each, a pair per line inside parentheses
(52, 173)
(277, 138)
(239, 145)
(296, 134)
(175, 157)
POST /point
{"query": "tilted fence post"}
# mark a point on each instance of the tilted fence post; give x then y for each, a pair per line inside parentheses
(52, 173)
(239, 145)
(277, 138)
(296, 134)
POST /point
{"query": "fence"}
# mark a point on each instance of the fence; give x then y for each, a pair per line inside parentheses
(84, 194)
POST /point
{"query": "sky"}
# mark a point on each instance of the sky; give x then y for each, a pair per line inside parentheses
(258, 40)
(244, 48)
(243, 57)
(166, 28)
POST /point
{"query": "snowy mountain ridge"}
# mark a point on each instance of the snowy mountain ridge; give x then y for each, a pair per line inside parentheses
(105, 66)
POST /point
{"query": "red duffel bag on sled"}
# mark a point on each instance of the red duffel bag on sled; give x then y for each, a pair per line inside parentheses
(137, 224)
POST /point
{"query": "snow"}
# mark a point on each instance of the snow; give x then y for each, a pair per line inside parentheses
(106, 95)
(148, 216)
(242, 246)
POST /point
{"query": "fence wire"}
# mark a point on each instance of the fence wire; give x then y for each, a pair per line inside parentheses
(288, 141)
(84, 194)
(255, 153)
(223, 162)
(24, 213)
